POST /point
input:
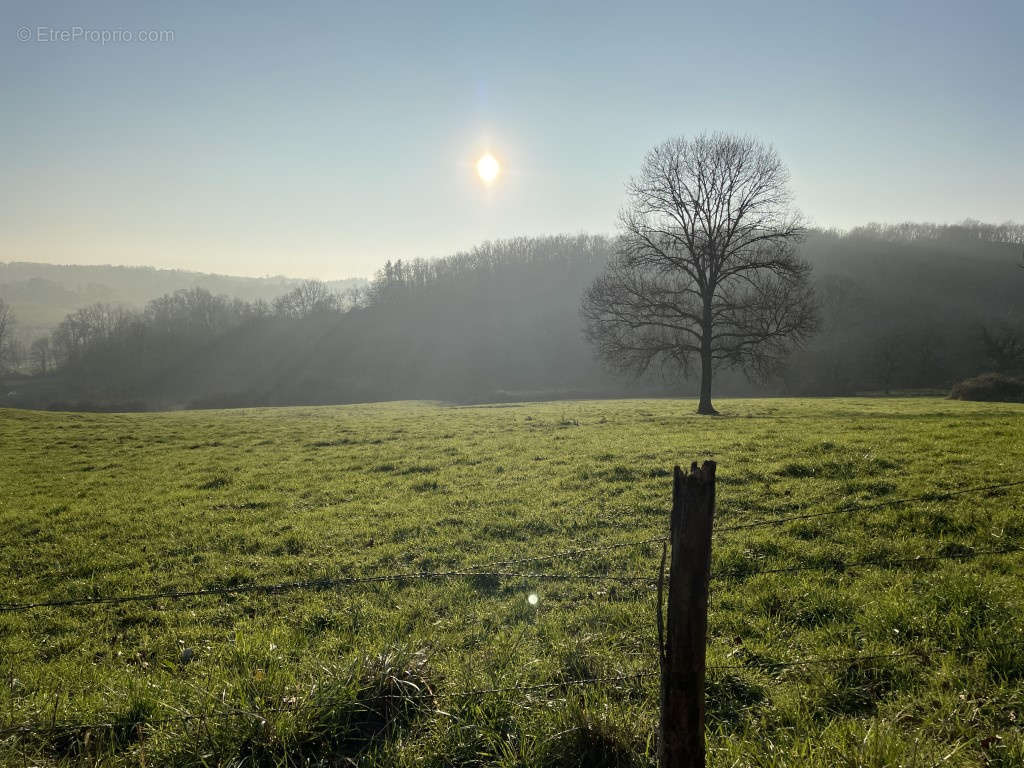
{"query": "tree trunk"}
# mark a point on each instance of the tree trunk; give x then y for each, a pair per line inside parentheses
(705, 407)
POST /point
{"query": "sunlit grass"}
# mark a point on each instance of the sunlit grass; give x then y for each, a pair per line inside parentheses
(108, 504)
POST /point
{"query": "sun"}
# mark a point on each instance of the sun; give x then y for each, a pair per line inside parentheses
(487, 168)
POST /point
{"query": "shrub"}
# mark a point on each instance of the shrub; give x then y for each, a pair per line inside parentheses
(990, 387)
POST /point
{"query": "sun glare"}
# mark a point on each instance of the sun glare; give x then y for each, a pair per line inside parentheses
(487, 168)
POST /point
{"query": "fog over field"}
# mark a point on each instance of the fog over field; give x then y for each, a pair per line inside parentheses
(524, 384)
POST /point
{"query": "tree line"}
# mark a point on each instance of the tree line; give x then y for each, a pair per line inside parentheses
(910, 307)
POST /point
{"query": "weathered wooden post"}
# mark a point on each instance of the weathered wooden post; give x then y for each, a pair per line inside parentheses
(683, 649)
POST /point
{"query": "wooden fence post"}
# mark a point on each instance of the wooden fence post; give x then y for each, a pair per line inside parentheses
(682, 654)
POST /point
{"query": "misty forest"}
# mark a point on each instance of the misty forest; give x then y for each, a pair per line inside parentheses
(903, 308)
(516, 385)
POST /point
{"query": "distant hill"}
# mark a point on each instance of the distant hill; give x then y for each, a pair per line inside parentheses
(42, 294)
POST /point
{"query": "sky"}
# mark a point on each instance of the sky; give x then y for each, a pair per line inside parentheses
(322, 139)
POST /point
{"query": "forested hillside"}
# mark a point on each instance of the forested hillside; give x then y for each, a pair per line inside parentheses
(42, 294)
(909, 307)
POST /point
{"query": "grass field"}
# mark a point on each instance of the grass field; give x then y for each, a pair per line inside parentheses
(96, 505)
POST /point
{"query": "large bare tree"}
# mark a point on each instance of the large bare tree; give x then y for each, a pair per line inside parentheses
(707, 270)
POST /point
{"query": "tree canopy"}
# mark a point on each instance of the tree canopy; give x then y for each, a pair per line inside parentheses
(707, 271)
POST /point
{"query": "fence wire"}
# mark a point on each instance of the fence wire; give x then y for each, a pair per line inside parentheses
(844, 509)
(477, 571)
(840, 566)
(318, 584)
(858, 508)
(570, 554)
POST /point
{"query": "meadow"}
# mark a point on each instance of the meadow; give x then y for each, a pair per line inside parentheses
(376, 673)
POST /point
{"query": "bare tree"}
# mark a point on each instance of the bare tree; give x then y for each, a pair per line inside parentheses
(87, 326)
(6, 330)
(307, 298)
(707, 269)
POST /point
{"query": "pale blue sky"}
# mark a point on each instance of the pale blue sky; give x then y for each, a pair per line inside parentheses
(322, 139)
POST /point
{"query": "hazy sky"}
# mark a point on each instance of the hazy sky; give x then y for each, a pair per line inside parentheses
(321, 140)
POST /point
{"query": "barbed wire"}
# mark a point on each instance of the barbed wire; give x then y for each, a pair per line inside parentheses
(857, 508)
(854, 508)
(736, 573)
(843, 565)
(471, 571)
(919, 653)
(569, 554)
(476, 570)
(772, 665)
(326, 583)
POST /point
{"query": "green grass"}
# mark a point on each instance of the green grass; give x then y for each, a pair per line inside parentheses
(107, 504)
